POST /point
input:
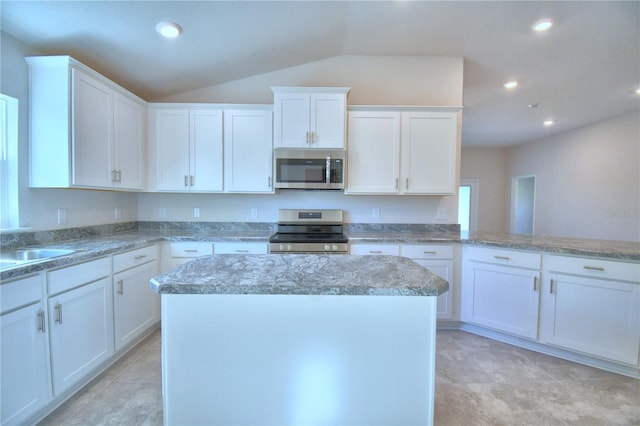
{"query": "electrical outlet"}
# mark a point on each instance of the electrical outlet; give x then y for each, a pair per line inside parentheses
(162, 212)
(117, 212)
(196, 212)
(254, 213)
(62, 216)
(375, 212)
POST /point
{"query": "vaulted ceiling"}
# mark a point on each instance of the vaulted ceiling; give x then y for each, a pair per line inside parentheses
(584, 69)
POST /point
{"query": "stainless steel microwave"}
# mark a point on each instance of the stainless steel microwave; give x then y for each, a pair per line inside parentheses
(309, 168)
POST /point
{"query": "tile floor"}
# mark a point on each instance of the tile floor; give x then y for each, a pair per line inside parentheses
(478, 382)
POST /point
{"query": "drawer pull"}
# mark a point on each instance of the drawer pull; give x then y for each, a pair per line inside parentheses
(142, 256)
(58, 313)
(191, 251)
(593, 268)
(430, 252)
(41, 321)
(242, 251)
(375, 251)
(502, 257)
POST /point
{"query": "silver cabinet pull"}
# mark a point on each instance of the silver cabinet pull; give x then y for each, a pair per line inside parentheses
(269, 182)
(192, 180)
(41, 321)
(535, 283)
(430, 252)
(593, 268)
(551, 286)
(307, 138)
(119, 176)
(396, 183)
(190, 251)
(186, 180)
(120, 287)
(58, 312)
(141, 256)
(242, 251)
(406, 184)
(113, 175)
(501, 257)
(375, 251)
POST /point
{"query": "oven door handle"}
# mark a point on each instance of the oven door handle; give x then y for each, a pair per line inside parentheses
(328, 171)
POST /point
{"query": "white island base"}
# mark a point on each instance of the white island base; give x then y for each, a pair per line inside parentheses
(298, 359)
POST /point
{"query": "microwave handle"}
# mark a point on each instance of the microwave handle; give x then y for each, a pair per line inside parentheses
(328, 171)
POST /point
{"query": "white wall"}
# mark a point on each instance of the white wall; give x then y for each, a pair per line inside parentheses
(489, 167)
(587, 180)
(38, 207)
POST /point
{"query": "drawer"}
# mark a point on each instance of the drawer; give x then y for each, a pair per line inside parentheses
(606, 269)
(73, 276)
(21, 292)
(133, 258)
(503, 257)
(388, 249)
(191, 249)
(422, 251)
(240, 248)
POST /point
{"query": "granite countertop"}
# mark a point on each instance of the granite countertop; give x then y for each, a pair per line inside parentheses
(301, 274)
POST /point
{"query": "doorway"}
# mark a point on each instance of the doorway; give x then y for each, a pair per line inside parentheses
(523, 204)
(468, 206)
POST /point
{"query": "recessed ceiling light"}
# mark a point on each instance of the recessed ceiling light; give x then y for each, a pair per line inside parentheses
(510, 84)
(542, 25)
(638, 91)
(169, 29)
(548, 123)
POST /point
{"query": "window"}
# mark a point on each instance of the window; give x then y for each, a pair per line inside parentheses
(8, 162)
(468, 206)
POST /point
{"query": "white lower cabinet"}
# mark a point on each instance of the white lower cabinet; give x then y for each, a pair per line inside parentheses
(439, 260)
(135, 306)
(501, 290)
(80, 321)
(185, 251)
(592, 306)
(24, 355)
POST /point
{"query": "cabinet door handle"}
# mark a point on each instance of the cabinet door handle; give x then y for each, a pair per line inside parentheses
(141, 256)
(242, 251)
(119, 176)
(501, 257)
(113, 175)
(120, 287)
(41, 321)
(535, 283)
(269, 182)
(186, 180)
(58, 313)
(313, 137)
(375, 251)
(192, 180)
(190, 251)
(551, 286)
(396, 183)
(430, 252)
(307, 138)
(406, 183)
(593, 268)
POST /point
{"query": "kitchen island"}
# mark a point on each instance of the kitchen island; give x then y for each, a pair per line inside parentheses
(298, 339)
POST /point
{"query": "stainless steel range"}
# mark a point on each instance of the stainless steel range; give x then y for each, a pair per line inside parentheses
(309, 231)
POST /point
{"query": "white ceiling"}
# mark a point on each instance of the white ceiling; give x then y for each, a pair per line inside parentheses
(585, 69)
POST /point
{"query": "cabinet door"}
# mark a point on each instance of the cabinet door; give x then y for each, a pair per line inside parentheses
(172, 149)
(92, 132)
(443, 269)
(128, 117)
(292, 114)
(593, 316)
(206, 150)
(373, 157)
(248, 147)
(81, 332)
(502, 298)
(429, 143)
(24, 364)
(134, 303)
(327, 120)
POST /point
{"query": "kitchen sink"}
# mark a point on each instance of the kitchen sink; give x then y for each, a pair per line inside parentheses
(15, 257)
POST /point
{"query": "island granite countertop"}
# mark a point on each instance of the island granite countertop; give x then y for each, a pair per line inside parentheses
(301, 274)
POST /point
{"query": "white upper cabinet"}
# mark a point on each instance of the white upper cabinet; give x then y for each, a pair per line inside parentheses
(402, 152)
(248, 150)
(188, 149)
(86, 131)
(309, 117)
